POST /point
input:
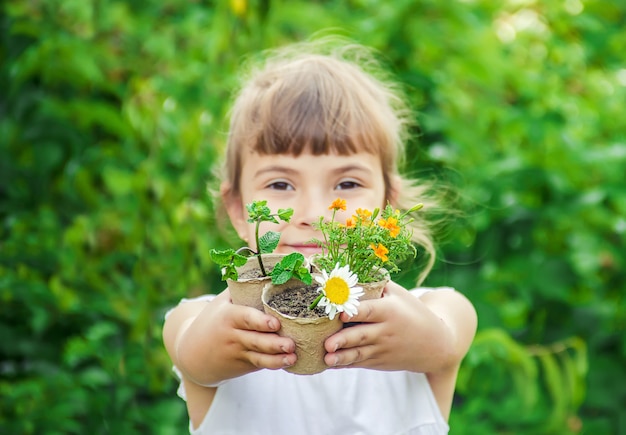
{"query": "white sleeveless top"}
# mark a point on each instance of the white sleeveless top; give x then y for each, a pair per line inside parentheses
(350, 401)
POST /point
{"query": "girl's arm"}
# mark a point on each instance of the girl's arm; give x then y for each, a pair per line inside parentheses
(430, 334)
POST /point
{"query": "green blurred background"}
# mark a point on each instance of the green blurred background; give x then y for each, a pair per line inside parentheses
(112, 114)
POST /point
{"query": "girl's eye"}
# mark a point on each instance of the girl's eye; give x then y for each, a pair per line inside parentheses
(280, 185)
(344, 185)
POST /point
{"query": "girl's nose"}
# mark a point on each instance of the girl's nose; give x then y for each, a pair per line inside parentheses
(309, 209)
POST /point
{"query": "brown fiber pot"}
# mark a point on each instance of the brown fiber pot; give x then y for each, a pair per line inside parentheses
(374, 290)
(309, 334)
(247, 291)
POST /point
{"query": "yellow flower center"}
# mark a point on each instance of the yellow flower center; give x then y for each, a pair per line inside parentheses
(337, 290)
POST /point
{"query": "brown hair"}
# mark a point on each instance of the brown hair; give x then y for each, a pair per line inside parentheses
(326, 96)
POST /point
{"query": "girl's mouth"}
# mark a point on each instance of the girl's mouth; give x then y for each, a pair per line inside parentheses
(306, 249)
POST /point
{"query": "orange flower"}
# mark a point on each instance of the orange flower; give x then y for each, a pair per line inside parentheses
(363, 213)
(350, 223)
(390, 224)
(380, 251)
(338, 204)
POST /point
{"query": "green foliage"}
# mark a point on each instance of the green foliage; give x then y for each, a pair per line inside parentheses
(289, 266)
(111, 118)
(368, 242)
(258, 212)
(549, 381)
(229, 260)
(268, 242)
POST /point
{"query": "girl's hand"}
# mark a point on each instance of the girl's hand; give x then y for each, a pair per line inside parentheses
(224, 341)
(403, 332)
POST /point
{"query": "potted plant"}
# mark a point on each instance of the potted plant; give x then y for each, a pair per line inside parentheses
(371, 244)
(356, 260)
(307, 326)
(246, 270)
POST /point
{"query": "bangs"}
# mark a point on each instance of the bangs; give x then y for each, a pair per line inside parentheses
(317, 122)
(312, 108)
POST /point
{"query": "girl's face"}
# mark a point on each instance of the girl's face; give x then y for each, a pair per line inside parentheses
(308, 184)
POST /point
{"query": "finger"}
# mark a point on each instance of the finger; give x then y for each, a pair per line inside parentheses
(368, 311)
(267, 343)
(273, 362)
(357, 335)
(374, 310)
(362, 356)
(251, 319)
(392, 288)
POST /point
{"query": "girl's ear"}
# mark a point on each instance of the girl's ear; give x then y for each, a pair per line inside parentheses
(235, 209)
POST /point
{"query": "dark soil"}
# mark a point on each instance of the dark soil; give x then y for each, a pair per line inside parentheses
(255, 273)
(295, 302)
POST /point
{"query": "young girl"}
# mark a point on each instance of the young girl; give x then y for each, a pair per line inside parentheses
(307, 127)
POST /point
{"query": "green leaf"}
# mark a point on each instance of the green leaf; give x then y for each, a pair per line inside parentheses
(95, 376)
(258, 211)
(285, 214)
(117, 181)
(229, 272)
(303, 274)
(228, 260)
(268, 242)
(239, 260)
(556, 386)
(223, 257)
(291, 267)
(292, 261)
(280, 276)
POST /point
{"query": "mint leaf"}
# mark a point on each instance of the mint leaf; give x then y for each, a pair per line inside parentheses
(290, 266)
(223, 257)
(229, 272)
(292, 261)
(280, 276)
(285, 214)
(303, 275)
(268, 242)
(239, 260)
(258, 211)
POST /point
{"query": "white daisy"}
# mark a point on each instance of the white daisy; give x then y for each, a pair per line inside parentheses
(340, 291)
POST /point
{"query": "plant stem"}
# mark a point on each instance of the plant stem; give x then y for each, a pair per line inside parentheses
(316, 301)
(245, 248)
(256, 236)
